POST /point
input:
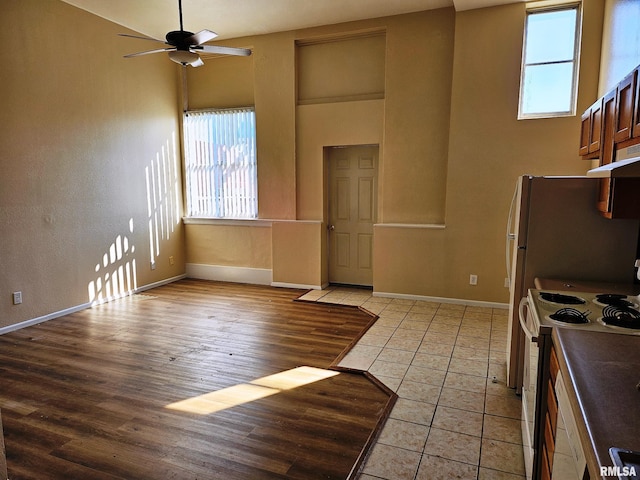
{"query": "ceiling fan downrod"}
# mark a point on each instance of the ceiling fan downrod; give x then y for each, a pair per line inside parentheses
(178, 38)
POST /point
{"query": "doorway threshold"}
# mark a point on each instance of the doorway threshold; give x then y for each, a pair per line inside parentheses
(341, 294)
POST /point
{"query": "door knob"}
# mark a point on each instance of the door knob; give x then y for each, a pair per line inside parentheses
(331, 228)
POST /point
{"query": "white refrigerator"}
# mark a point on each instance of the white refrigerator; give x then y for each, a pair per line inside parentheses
(555, 231)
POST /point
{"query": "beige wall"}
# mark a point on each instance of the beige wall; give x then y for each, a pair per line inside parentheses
(88, 141)
(274, 63)
(416, 117)
(223, 82)
(324, 125)
(297, 253)
(489, 147)
(451, 147)
(244, 245)
(621, 42)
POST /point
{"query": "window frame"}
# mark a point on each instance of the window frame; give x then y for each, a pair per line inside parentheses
(533, 10)
(191, 212)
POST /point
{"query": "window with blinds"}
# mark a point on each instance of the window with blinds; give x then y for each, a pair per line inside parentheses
(220, 163)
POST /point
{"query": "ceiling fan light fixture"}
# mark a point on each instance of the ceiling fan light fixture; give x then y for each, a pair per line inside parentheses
(184, 57)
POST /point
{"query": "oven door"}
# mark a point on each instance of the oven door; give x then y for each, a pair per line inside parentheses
(536, 363)
(529, 386)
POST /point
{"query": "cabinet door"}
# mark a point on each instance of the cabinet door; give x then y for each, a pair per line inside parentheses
(624, 107)
(585, 131)
(624, 198)
(608, 127)
(595, 126)
(606, 156)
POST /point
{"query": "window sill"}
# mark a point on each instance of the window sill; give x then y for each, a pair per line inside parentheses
(249, 222)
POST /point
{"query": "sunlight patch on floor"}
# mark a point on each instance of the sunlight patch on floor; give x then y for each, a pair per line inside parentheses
(248, 392)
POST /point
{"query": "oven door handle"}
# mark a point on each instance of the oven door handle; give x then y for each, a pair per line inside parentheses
(524, 304)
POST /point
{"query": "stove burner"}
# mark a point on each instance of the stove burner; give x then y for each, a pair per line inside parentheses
(604, 297)
(623, 317)
(614, 299)
(570, 315)
(561, 298)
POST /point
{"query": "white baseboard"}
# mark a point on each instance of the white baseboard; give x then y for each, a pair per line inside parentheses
(458, 301)
(83, 306)
(221, 273)
(44, 318)
(298, 286)
(160, 283)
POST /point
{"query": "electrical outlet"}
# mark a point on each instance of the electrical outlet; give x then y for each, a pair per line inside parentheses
(171, 261)
(473, 279)
(506, 282)
(17, 298)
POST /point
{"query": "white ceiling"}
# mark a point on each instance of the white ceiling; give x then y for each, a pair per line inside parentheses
(239, 18)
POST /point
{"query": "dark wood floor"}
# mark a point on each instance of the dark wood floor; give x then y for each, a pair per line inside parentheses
(87, 396)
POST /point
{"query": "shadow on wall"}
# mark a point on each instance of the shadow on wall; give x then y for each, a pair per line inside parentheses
(117, 270)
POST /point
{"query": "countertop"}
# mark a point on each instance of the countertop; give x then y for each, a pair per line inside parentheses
(604, 369)
(586, 286)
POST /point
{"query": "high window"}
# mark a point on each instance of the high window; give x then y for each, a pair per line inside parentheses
(221, 172)
(548, 83)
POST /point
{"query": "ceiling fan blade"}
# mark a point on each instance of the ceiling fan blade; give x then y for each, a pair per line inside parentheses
(139, 37)
(149, 52)
(201, 37)
(197, 63)
(243, 52)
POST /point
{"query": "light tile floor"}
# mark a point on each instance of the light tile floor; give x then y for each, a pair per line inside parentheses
(455, 417)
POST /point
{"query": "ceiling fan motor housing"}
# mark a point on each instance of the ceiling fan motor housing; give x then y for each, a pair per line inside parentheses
(179, 39)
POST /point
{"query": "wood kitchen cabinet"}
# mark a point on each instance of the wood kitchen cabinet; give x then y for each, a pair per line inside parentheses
(607, 149)
(585, 129)
(618, 197)
(635, 129)
(610, 124)
(625, 103)
(591, 130)
(623, 199)
(551, 420)
(607, 145)
(554, 444)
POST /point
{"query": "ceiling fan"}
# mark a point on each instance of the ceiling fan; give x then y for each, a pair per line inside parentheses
(185, 46)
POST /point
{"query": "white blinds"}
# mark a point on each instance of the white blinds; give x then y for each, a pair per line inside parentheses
(220, 163)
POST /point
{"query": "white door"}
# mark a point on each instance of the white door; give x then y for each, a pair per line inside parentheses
(352, 213)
